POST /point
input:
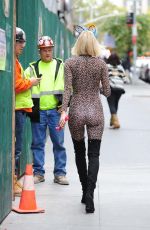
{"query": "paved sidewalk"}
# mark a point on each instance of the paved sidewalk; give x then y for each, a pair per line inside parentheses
(122, 196)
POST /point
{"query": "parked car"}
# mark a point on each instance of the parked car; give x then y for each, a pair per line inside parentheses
(143, 68)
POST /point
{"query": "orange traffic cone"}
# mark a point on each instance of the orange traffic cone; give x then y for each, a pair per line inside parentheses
(28, 200)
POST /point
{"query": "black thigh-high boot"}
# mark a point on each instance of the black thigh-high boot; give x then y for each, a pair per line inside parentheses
(93, 167)
(80, 159)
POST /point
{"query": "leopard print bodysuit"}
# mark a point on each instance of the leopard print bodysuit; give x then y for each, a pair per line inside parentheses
(85, 75)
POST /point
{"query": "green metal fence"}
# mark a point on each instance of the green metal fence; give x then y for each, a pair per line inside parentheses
(6, 92)
(36, 20)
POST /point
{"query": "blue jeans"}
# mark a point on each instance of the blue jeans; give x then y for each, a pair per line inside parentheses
(50, 119)
(20, 117)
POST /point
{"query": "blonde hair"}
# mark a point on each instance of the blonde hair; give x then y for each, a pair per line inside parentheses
(86, 44)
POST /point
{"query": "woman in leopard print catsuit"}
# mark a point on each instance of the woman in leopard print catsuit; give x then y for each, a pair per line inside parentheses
(87, 75)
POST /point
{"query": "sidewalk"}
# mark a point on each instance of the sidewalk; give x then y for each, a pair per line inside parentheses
(122, 196)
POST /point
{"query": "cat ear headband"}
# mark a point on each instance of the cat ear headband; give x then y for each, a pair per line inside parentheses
(79, 29)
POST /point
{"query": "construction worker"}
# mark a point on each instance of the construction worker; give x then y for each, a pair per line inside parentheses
(23, 104)
(47, 97)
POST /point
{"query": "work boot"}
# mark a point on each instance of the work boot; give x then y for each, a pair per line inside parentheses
(17, 187)
(93, 167)
(62, 180)
(80, 159)
(114, 122)
(38, 178)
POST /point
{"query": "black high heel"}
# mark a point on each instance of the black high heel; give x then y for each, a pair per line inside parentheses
(89, 202)
(83, 198)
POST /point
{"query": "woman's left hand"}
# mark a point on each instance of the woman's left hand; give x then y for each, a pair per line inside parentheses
(62, 120)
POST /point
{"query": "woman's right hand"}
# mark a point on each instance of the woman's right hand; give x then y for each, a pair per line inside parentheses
(62, 120)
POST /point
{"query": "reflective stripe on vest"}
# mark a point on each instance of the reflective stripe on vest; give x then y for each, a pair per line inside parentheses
(47, 93)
